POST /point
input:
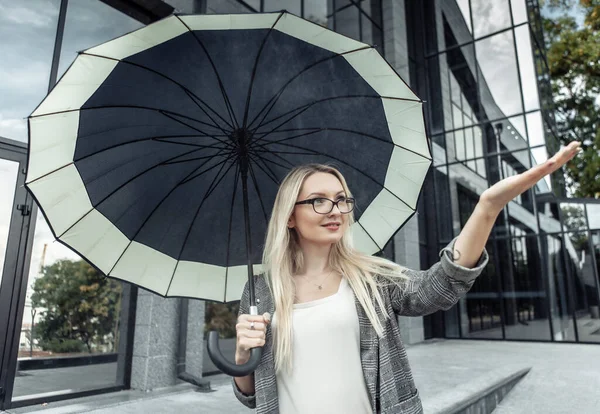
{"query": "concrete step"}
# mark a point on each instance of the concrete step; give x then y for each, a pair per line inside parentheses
(481, 395)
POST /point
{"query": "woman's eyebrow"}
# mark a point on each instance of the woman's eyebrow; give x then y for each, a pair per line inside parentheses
(323, 194)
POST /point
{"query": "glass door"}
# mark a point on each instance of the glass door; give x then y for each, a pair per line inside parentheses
(15, 212)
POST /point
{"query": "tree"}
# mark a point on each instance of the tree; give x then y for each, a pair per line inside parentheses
(80, 307)
(221, 317)
(573, 52)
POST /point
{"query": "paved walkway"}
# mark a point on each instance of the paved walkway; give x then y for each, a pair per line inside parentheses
(564, 379)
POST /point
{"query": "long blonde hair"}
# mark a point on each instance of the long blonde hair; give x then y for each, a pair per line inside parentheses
(282, 258)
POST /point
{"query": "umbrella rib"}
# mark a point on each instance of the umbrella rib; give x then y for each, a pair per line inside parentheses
(187, 143)
(235, 184)
(313, 131)
(212, 63)
(209, 117)
(345, 163)
(331, 98)
(210, 189)
(248, 96)
(98, 152)
(117, 189)
(156, 208)
(163, 111)
(188, 160)
(367, 233)
(188, 92)
(276, 97)
(306, 107)
(189, 126)
(273, 162)
(267, 173)
(267, 142)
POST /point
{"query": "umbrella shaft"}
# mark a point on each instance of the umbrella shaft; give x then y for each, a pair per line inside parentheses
(244, 171)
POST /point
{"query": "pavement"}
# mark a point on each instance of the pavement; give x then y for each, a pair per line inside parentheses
(563, 378)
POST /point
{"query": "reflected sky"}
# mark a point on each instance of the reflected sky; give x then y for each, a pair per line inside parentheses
(27, 30)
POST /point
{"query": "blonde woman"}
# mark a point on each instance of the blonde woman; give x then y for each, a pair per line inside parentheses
(333, 345)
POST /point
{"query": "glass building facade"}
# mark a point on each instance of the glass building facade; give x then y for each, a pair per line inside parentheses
(479, 65)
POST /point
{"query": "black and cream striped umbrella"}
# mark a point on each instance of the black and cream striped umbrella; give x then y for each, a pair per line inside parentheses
(140, 154)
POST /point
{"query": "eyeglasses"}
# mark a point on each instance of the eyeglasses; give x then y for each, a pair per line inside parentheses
(325, 206)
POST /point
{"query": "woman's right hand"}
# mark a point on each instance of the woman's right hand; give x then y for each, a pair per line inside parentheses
(248, 338)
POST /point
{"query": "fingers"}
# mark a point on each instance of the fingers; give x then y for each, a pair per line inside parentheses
(251, 331)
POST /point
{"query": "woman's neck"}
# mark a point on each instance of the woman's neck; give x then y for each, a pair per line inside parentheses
(316, 259)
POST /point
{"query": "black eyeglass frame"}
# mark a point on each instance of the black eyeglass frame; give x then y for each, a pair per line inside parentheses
(333, 204)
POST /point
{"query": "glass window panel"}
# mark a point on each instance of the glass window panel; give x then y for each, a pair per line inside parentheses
(526, 300)
(30, 28)
(71, 315)
(527, 68)
(89, 24)
(553, 261)
(459, 144)
(535, 127)
(483, 309)
(316, 11)
(371, 34)
(462, 78)
(9, 171)
(498, 80)
(217, 7)
(443, 203)
(519, 11)
(585, 287)
(470, 148)
(490, 16)
(513, 135)
(292, 6)
(593, 214)
(346, 22)
(465, 11)
(368, 6)
(573, 216)
(255, 4)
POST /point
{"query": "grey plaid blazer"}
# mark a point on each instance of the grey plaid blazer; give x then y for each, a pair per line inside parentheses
(384, 361)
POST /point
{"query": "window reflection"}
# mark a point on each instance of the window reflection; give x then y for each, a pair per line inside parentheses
(593, 214)
(292, 6)
(519, 11)
(527, 68)
(27, 30)
(560, 307)
(526, 299)
(499, 79)
(346, 22)
(317, 11)
(573, 216)
(490, 16)
(89, 24)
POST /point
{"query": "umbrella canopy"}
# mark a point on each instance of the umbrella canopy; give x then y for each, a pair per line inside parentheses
(149, 150)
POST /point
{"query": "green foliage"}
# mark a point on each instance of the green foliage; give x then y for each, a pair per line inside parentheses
(574, 63)
(221, 317)
(80, 308)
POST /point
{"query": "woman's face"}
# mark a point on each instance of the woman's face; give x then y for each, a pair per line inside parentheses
(312, 227)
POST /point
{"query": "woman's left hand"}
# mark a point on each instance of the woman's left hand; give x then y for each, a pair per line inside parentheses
(474, 235)
(501, 193)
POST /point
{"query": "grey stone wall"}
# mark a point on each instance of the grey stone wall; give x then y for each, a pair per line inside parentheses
(154, 362)
(406, 242)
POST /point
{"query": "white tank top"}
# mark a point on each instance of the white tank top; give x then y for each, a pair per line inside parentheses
(327, 375)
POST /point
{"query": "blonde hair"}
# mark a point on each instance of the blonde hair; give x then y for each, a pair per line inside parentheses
(282, 258)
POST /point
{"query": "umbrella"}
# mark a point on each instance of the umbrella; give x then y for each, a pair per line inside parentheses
(157, 156)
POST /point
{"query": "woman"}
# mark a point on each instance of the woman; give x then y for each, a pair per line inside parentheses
(334, 344)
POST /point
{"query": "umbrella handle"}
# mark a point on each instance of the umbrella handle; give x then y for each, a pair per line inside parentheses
(227, 367)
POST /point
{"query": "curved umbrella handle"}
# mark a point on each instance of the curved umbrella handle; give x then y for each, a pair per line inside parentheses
(227, 367)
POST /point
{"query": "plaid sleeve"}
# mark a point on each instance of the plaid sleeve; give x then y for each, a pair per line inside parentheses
(437, 288)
